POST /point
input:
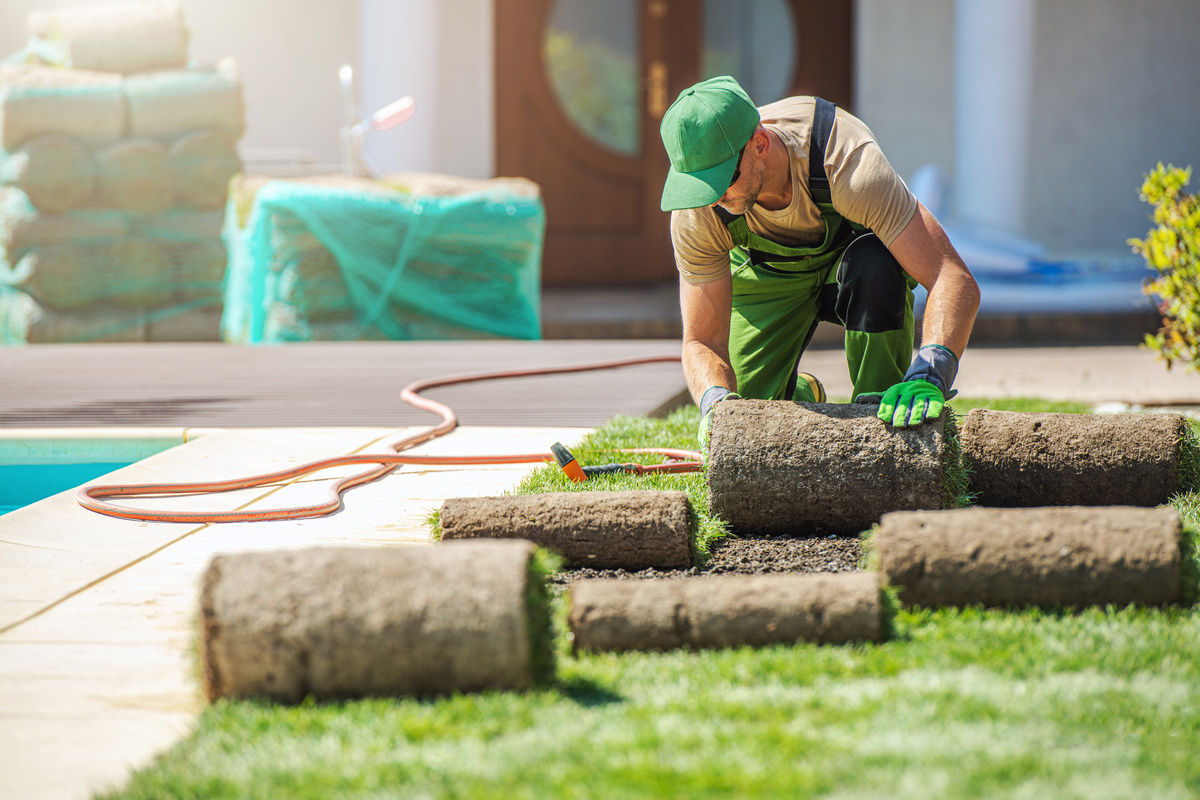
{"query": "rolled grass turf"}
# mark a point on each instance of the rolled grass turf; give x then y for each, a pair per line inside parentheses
(725, 611)
(352, 622)
(1026, 460)
(630, 530)
(782, 467)
(1058, 556)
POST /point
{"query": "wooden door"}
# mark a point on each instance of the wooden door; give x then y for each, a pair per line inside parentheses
(581, 86)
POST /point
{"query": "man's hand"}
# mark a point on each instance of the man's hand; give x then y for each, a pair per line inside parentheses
(924, 391)
(712, 396)
(908, 404)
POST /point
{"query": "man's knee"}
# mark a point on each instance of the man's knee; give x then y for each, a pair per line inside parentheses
(871, 294)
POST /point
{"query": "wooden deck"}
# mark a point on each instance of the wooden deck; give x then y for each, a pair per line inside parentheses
(212, 385)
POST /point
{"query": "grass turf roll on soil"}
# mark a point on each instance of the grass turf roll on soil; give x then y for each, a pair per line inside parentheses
(126, 273)
(203, 163)
(57, 173)
(165, 105)
(604, 530)
(37, 100)
(23, 227)
(725, 611)
(782, 467)
(136, 176)
(1059, 556)
(1020, 459)
(116, 37)
(352, 622)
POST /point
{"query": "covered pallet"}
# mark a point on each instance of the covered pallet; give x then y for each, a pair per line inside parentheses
(411, 257)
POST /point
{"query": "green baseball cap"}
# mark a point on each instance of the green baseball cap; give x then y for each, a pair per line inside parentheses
(703, 131)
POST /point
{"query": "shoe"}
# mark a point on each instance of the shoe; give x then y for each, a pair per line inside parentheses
(808, 389)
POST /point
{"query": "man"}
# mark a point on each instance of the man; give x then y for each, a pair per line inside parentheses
(788, 215)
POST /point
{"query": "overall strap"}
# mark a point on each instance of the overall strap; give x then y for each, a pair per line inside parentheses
(818, 181)
(725, 216)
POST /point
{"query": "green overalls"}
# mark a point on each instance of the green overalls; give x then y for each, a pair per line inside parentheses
(780, 294)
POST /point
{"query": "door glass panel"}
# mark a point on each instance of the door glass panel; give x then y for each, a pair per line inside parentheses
(755, 42)
(590, 50)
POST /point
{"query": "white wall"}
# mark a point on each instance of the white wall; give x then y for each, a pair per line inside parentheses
(904, 79)
(1115, 89)
(439, 51)
(993, 61)
(397, 58)
(289, 53)
(466, 86)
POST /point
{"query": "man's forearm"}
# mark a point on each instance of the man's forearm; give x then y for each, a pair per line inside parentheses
(925, 253)
(950, 310)
(705, 366)
(705, 308)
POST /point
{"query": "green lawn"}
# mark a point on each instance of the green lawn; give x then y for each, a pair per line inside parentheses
(960, 704)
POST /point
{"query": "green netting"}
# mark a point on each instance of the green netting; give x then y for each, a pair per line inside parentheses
(313, 261)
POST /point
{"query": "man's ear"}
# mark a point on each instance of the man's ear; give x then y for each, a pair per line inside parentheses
(761, 141)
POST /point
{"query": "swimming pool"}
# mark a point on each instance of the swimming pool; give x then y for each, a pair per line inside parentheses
(39, 463)
(22, 484)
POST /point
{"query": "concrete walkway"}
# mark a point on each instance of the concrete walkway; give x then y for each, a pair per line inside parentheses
(1096, 375)
(97, 615)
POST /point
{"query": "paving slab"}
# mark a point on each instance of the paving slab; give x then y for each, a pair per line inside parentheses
(48, 550)
(97, 666)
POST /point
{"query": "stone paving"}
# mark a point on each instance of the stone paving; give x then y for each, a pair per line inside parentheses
(98, 615)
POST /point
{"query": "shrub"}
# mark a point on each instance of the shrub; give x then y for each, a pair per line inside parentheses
(1172, 250)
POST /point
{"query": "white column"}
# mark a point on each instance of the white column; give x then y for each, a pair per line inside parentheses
(398, 52)
(467, 118)
(993, 58)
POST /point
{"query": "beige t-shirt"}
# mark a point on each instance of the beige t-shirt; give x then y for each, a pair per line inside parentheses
(864, 187)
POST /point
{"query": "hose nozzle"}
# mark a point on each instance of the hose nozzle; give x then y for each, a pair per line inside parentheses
(567, 462)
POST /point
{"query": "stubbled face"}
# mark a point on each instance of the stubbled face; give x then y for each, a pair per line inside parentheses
(742, 194)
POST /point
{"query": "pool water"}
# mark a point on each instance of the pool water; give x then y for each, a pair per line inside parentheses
(36, 463)
(22, 484)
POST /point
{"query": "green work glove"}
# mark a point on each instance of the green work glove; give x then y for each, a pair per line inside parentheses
(712, 396)
(908, 404)
(924, 391)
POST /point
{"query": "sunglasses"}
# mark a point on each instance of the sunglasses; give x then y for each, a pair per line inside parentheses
(737, 171)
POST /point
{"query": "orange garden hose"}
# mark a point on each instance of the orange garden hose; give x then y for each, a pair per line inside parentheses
(89, 496)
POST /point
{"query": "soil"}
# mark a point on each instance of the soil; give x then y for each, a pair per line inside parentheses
(752, 555)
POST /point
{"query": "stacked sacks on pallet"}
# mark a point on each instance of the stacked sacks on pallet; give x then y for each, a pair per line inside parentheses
(413, 256)
(119, 37)
(113, 183)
